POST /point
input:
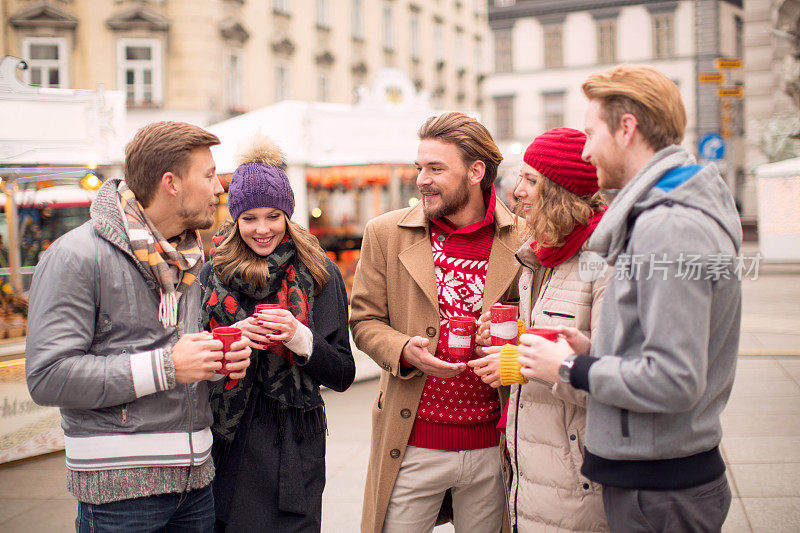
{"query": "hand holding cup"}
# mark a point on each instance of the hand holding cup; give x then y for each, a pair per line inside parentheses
(281, 325)
(541, 357)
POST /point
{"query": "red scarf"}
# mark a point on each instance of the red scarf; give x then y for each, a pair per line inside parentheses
(551, 256)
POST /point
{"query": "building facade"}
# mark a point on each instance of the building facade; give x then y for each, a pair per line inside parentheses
(772, 79)
(205, 60)
(543, 50)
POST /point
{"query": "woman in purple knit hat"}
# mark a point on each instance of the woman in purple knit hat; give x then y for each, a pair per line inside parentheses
(558, 195)
(269, 427)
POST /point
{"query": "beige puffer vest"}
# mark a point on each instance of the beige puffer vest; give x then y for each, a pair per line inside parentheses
(546, 422)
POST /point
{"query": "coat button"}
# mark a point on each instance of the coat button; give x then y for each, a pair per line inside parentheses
(405, 413)
(395, 453)
(572, 437)
(585, 486)
(441, 238)
(431, 331)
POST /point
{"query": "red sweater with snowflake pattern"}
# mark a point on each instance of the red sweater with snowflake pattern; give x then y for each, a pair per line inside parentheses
(459, 413)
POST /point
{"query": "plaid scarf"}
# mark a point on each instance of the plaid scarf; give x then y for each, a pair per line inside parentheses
(164, 260)
(283, 389)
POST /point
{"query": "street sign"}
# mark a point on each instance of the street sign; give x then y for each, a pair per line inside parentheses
(711, 147)
(711, 76)
(732, 91)
(728, 62)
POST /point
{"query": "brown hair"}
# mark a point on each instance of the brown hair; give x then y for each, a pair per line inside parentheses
(473, 140)
(555, 211)
(158, 148)
(234, 256)
(647, 94)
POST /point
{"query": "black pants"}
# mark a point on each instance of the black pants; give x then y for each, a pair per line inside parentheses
(700, 509)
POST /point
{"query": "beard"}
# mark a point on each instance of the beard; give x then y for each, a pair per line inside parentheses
(450, 202)
(194, 218)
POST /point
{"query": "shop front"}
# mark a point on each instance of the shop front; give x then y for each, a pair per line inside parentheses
(55, 147)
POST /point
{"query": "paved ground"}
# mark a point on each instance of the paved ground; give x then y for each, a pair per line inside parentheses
(761, 425)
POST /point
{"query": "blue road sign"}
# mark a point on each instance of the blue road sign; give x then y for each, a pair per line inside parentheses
(711, 147)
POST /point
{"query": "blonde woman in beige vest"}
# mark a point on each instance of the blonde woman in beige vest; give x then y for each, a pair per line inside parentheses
(558, 195)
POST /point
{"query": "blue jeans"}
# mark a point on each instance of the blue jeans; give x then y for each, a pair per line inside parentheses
(189, 512)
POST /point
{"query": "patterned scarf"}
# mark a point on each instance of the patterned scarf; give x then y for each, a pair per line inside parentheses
(285, 390)
(164, 260)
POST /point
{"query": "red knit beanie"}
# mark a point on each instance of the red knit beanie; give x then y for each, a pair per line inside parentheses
(556, 154)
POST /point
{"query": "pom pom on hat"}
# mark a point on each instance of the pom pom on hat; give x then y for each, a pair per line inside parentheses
(261, 149)
(260, 179)
(556, 153)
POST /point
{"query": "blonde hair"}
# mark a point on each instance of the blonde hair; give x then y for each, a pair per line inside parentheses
(555, 211)
(233, 255)
(473, 140)
(645, 93)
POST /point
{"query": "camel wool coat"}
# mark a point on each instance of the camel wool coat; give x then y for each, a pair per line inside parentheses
(394, 298)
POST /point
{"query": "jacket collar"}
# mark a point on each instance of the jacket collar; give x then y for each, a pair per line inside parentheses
(108, 221)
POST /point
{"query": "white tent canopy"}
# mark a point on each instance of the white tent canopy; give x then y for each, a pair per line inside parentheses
(778, 189)
(380, 128)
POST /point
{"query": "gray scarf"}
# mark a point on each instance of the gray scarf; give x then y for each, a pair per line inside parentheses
(611, 235)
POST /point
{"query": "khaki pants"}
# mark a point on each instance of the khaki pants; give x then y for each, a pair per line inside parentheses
(476, 484)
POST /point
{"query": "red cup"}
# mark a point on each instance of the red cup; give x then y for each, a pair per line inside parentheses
(503, 325)
(263, 307)
(461, 337)
(228, 336)
(547, 333)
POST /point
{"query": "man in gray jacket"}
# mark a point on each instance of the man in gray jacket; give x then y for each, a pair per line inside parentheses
(660, 369)
(114, 341)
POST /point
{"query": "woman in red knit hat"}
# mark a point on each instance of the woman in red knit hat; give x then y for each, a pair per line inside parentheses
(559, 197)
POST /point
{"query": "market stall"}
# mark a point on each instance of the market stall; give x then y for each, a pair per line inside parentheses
(55, 146)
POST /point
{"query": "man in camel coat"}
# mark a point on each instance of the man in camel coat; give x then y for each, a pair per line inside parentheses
(434, 421)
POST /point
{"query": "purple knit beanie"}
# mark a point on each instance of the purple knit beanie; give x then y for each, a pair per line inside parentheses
(260, 180)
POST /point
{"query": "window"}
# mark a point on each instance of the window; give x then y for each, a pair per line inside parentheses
(414, 27)
(357, 20)
(553, 107)
(47, 61)
(478, 59)
(553, 49)
(438, 41)
(663, 36)
(281, 6)
(139, 75)
(459, 44)
(388, 36)
(322, 87)
(606, 41)
(739, 35)
(503, 60)
(504, 116)
(281, 82)
(323, 17)
(232, 72)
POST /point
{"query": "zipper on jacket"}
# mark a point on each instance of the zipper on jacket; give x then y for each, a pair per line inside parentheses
(516, 453)
(560, 315)
(191, 414)
(125, 413)
(623, 418)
